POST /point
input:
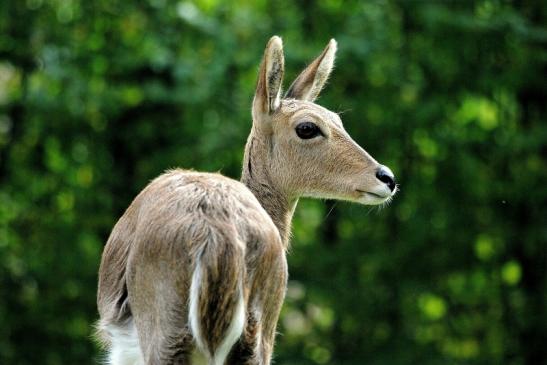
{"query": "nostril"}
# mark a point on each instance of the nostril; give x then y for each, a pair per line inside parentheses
(385, 176)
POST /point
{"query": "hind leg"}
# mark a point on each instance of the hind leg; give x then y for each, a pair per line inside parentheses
(255, 346)
(272, 307)
(165, 339)
(160, 315)
(125, 348)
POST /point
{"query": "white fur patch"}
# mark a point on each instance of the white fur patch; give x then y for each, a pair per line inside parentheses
(125, 347)
(193, 314)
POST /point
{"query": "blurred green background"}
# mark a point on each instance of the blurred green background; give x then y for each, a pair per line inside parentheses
(99, 97)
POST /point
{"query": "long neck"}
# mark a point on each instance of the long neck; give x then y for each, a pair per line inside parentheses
(257, 177)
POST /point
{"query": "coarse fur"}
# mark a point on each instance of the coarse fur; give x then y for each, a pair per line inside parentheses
(198, 260)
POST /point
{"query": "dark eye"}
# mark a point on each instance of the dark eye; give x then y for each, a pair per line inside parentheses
(307, 130)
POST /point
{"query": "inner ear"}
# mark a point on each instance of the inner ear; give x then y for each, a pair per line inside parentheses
(274, 78)
(311, 81)
(268, 89)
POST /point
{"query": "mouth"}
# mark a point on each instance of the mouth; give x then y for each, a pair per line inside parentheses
(370, 198)
(374, 194)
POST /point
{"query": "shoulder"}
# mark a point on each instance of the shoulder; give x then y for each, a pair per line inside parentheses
(213, 183)
(212, 189)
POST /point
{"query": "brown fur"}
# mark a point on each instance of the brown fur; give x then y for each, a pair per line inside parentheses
(236, 233)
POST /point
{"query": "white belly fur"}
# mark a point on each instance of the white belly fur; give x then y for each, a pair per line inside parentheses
(125, 347)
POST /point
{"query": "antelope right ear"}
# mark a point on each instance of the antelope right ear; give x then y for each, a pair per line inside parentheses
(268, 88)
(310, 82)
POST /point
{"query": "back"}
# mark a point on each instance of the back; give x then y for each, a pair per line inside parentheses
(164, 220)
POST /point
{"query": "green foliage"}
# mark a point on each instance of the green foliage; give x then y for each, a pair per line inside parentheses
(98, 97)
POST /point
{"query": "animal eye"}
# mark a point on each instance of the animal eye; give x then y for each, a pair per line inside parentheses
(307, 130)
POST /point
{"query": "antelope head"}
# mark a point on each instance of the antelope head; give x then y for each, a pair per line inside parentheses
(302, 149)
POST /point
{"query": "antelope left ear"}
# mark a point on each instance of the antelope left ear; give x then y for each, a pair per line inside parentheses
(309, 83)
(268, 88)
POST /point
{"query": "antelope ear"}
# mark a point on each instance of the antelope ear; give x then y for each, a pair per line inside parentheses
(267, 97)
(310, 82)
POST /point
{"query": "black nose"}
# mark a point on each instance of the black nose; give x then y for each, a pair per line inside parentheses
(386, 176)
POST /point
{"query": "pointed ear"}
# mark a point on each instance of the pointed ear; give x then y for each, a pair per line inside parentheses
(268, 88)
(310, 82)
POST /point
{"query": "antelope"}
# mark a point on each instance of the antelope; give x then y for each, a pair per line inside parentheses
(198, 260)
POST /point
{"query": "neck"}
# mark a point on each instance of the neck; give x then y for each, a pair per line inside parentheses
(256, 176)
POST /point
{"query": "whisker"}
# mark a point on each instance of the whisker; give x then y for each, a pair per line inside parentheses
(343, 111)
(330, 211)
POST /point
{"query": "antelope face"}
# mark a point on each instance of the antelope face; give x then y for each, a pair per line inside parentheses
(310, 153)
(314, 156)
